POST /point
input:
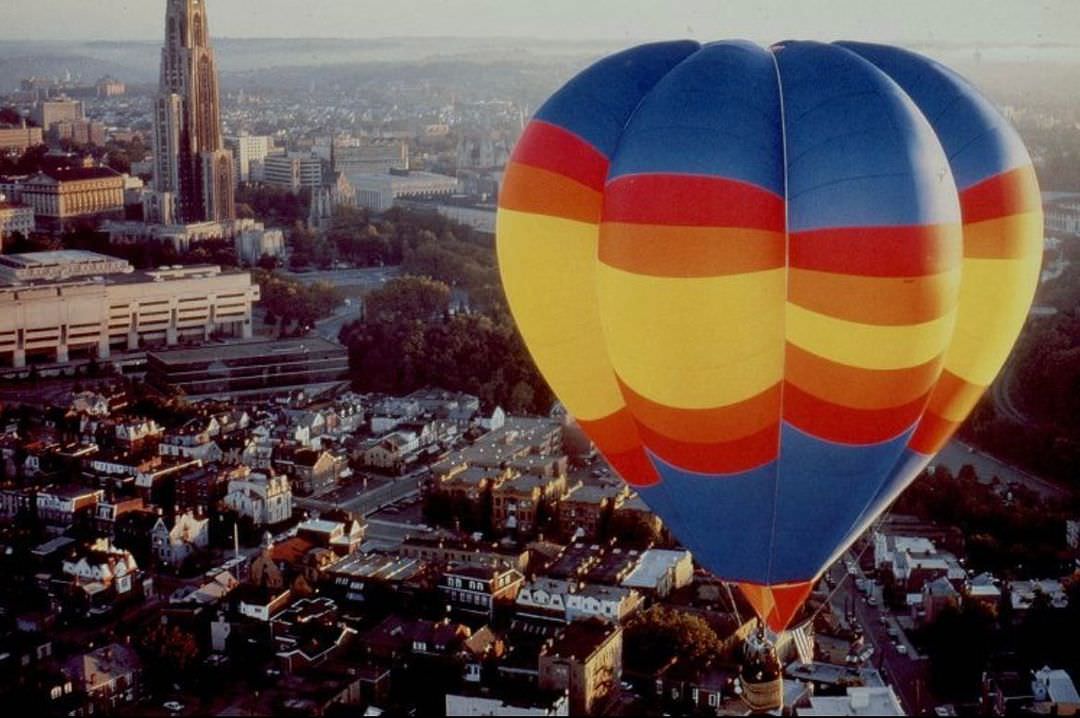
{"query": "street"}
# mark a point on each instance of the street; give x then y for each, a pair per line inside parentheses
(956, 453)
(363, 278)
(364, 499)
(907, 674)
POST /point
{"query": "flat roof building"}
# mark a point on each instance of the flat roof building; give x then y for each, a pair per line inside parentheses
(380, 191)
(55, 305)
(252, 368)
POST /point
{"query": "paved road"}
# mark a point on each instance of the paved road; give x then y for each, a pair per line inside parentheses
(1002, 393)
(388, 535)
(907, 674)
(367, 277)
(956, 454)
(365, 502)
(330, 327)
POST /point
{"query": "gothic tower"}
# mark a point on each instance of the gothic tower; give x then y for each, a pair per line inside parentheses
(190, 162)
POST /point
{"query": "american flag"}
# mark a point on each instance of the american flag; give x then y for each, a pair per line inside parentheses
(804, 642)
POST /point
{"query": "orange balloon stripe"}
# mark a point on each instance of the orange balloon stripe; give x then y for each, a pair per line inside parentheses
(692, 200)
(616, 436)
(1008, 193)
(666, 251)
(844, 425)
(539, 191)
(889, 301)
(778, 604)
(727, 457)
(857, 388)
(879, 251)
(550, 147)
(634, 467)
(720, 424)
(932, 433)
(951, 390)
(995, 239)
(616, 432)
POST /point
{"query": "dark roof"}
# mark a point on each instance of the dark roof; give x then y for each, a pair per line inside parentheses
(581, 639)
(74, 174)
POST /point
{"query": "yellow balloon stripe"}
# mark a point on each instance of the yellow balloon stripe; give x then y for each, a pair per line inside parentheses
(694, 343)
(548, 267)
(1014, 237)
(994, 300)
(868, 346)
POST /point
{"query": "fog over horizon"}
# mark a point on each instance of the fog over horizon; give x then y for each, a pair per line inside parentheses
(919, 22)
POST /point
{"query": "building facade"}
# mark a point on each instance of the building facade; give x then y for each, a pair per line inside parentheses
(47, 113)
(379, 191)
(294, 171)
(20, 139)
(66, 194)
(253, 368)
(249, 149)
(190, 160)
(585, 660)
(56, 304)
(15, 218)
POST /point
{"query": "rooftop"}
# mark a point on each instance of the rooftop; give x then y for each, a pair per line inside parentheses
(859, 701)
(247, 350)
(581, 639)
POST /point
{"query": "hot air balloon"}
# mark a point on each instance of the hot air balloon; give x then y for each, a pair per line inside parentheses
(769, 283)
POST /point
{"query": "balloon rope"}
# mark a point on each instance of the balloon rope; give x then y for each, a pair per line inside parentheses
(734, 606)
(840, 583)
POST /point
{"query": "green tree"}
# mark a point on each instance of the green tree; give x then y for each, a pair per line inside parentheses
(408, 298)
(655, 636)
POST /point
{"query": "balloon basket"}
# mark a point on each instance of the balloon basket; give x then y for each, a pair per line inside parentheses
(761, 677)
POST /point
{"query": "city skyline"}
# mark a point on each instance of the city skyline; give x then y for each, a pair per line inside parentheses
(920, 21)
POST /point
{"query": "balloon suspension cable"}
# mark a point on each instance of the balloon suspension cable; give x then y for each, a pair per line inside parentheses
(734, 606)
(840, 583)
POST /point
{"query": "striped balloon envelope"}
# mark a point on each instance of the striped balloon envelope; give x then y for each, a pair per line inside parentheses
(769, 283)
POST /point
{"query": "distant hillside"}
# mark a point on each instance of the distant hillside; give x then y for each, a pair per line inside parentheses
(137, 62)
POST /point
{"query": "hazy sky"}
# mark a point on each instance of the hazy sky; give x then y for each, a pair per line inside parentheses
(912, 21)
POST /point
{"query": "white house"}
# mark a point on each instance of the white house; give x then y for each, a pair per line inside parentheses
(104, 565)
(263, 498)
(187, 536)
(568, 601)
(661, 571)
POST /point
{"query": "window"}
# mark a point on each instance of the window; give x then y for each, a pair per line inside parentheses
(714, 700)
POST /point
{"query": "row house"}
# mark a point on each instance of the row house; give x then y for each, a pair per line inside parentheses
(393, 452)
(202, 490)
(443, 548)
(60, 507)
(378, 581)
(107, 513)
(567, 601)
(480, 590)
(138, 435)
(585, 509)
(15, 502)
(313, 471)
(458, 407)
(517, 502)
(585, 660)
(396, 638)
